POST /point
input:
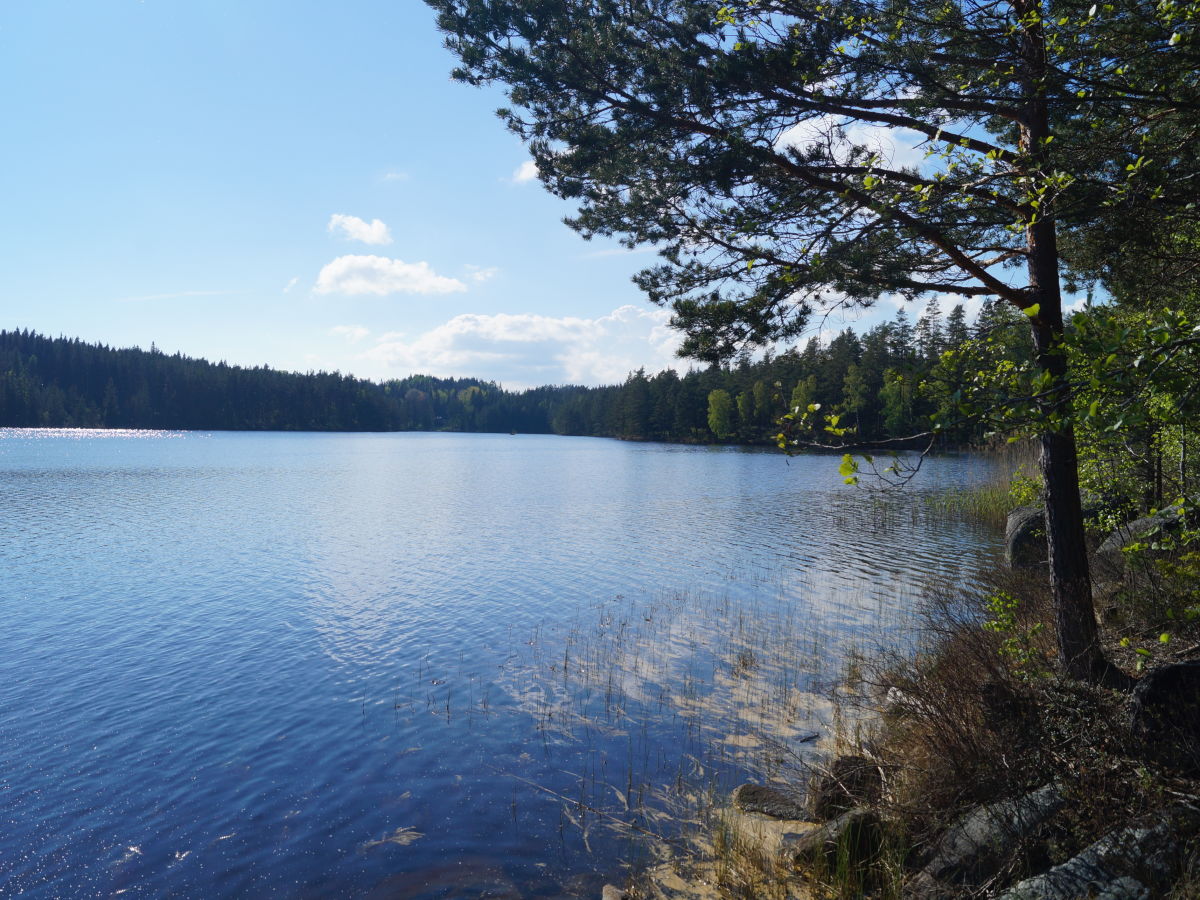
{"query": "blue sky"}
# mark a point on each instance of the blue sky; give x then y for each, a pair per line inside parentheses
(297, 184)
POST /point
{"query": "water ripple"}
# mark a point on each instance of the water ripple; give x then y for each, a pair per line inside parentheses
(234, 661)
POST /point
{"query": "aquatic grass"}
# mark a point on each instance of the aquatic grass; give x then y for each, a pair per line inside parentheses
(669, 701)
(648, 710)
(1012, 482)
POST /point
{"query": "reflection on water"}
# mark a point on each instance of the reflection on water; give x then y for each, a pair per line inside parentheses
(416, 665)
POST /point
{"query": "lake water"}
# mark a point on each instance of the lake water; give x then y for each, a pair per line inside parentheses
(417, 665)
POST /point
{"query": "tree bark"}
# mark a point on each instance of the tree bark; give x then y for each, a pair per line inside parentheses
(1079, 648)
(1070, 578)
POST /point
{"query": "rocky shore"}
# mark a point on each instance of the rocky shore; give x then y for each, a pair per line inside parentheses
(988, 775)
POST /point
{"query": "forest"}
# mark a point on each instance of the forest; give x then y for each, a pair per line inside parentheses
(884, 381)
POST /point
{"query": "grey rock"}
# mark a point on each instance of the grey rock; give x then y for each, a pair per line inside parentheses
(1164, 713)
(1126, 864)
(1110, 561)
(1025, 538)
(857, 833)
(1125, 888)
(973, 848)
(1025, 531)
(851, 781)
(613, 893)
(756, 798)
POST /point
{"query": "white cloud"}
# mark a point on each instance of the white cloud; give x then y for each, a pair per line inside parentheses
(352, 333)
(355, 229)
(896, 146)
(396, 176)
(527, 171)
(1075, 303)
(381, 275)
(291, 284)
(480, 274)
(526, 349)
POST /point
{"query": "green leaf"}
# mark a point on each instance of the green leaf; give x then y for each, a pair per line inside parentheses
(1033, 310)
(849, 469)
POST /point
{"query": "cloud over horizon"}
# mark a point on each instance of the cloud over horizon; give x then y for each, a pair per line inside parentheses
(381, 275)
(353, 228)
(526, 349)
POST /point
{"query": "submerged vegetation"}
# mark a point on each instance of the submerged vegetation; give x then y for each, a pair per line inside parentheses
(954, 708)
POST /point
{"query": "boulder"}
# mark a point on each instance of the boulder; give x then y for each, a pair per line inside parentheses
(852, 839)
(851, 781)
(757, 798)
(1025, 537)
(1130, 863)
(1110, 561)
(612, 892)
(1025, 531)
(760, 835)
(975, 847)
(1164, 713)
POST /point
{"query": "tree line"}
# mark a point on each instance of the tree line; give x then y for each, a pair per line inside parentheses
(879, 380)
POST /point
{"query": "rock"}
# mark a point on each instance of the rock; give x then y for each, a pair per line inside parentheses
(851, 781)
(1164, 713)
(857, 833)
(758, 834)
(613, 893)
(1127, 864)
(1025, 538)
(756, 798)
(1025, 531)
(976, 845)
(1110, 561)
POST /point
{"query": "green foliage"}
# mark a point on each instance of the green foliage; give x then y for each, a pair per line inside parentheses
(1025, 488)
(849, 469)
(679, 124)
(1131, 376)
(1018, 644)
(1162, 588)
(721, 414)
(60, 382)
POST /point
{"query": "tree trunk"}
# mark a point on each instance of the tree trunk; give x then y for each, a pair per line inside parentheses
(1070, 580)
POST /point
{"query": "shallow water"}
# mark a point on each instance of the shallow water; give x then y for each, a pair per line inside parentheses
(415, 665)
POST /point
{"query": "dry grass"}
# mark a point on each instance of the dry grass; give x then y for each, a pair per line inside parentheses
(979, 715)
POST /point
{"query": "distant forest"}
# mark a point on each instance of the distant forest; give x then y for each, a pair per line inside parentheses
(883, 383)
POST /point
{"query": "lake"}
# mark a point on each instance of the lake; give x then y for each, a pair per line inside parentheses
(419, 665)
